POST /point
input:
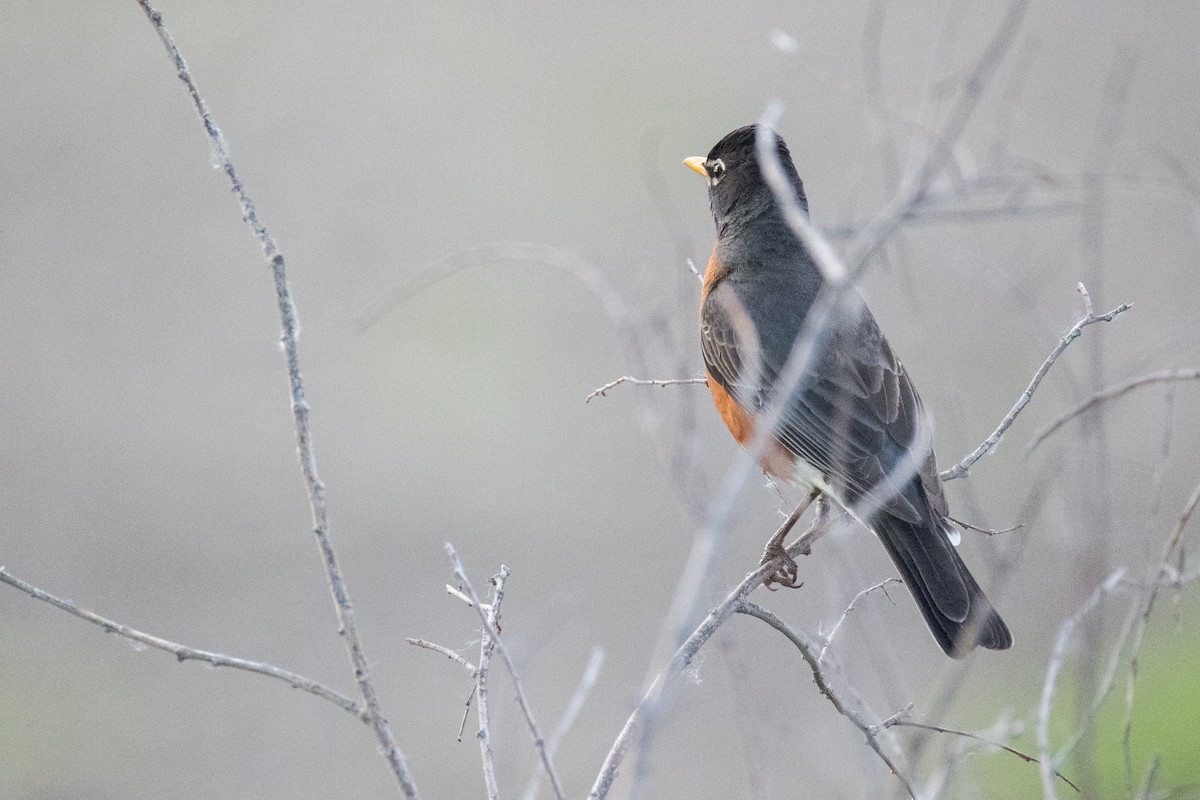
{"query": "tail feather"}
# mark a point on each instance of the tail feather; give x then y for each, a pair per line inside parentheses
(939, 581)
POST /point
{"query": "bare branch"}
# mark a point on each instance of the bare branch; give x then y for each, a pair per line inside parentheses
(487, 645)
(1112, 393)
(491, 632)
(446, 651)
(300, 413)
(603, 390)
(986, 531)
(185, 653)
(900, 722)
(961, 469)
(828, 638)
(462, 726)
(808, 647)
(453, 592)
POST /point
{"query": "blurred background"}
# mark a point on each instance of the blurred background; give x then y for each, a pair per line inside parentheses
(147, 466)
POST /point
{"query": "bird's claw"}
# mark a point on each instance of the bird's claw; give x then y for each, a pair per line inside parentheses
(786, 574)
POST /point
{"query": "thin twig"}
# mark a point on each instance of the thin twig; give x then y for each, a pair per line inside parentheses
(828, 638)
(590, 674)
(490, 631)
(1148, 784)
(446, 651)
(300, 414)
(183, 652)
(1112, 393)
(808, 647)
(986, 531)
(453, 592)
(960, 469)
(462, 726)
(603, 390)
(894, 722)
(487, 645)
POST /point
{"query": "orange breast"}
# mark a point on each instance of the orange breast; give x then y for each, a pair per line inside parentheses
(737, 419)
(776, 459)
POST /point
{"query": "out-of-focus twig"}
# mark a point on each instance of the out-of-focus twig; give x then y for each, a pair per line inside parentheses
(588, 680)
(1047, 764)
(300, 412)
(1112, 393)
(1163, 568)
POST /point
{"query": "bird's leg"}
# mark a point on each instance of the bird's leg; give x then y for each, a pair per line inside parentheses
(786, 574)
(827, 508)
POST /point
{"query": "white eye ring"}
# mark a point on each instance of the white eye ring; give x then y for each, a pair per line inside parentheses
(716, 171)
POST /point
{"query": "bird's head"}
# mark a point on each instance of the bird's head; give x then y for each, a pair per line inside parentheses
(736, 186)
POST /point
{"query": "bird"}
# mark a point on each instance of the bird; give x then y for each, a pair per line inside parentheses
(853, 427)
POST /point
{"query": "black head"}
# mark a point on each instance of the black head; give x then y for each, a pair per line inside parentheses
(736, 186)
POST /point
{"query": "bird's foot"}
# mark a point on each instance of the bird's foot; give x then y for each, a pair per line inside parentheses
(786, 572)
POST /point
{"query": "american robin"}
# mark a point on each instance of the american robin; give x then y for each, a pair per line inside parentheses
(853, 427)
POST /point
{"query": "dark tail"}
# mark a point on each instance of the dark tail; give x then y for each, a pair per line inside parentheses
(955, 608)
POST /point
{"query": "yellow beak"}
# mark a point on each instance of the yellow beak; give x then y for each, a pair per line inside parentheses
(696, 163)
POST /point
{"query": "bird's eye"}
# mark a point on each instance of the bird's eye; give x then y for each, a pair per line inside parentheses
(716, 171)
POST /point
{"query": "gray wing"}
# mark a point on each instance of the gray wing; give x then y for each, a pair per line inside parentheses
(855, 415)
(858, 417)
(729, 342)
